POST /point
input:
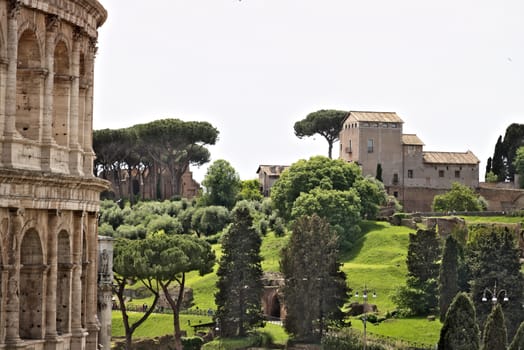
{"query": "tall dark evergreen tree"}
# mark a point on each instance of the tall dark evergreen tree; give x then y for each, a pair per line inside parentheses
(239, 274)
(420, 295)
(448, 276)
(488, 165)
(315, 288)
(518, 339)
(497, 165)
(513, 139)
(495, 335)
(493, 257)
(460, 330)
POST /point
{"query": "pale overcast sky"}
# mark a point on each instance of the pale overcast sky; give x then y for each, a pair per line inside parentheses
(452, 70)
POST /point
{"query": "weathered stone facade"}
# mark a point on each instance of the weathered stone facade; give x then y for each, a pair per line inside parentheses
(49, 199)
(409, 173)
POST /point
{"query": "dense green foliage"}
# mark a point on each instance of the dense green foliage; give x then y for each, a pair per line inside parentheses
(129, 265)
(209, 220)
(420, 295)
(518, 163)
(239, 274)
(459, 198)
(340, 208)
(495, 334)
(460, 330)
(334, 189)
(250, 190)
(168, 259)
(222, 184)
(505, 152)
(315, 288)
(448, 275)
(161, 146)
(518, 341)
(325, 122)
(493, 257)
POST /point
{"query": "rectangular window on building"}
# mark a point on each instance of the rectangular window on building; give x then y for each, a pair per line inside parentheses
(457, 174)
(370, 146)
(395, 179)
(410, 173)
(441, 173)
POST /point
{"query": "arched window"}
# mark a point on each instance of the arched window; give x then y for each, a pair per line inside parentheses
(29, 81)
(63, 286)
(61, 95)
(31, 286)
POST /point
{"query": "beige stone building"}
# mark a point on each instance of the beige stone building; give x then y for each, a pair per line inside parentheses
(409, 173)
(49, 198)
(268, 175)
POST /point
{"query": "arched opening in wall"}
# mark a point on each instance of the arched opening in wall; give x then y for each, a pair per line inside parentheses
(61, 95)
(84, 280)
(29, 82)
(83, 132)
(63, 286)
(275, 307)
(31, 286)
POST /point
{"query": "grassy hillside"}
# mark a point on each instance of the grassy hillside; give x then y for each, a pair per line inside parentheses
(377, 260)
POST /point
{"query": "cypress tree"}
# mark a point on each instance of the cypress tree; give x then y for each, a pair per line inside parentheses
(315, 288)
(448, 277)
(239, 274)
(497, 164)
(420, 295)
(488, 166)
(518, 340)
(494, 260)
(495, 335)
(460, 330)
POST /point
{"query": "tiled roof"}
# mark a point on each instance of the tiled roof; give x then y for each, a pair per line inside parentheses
(272, 170)
(411, 139)
(450, 158)
(388, 117)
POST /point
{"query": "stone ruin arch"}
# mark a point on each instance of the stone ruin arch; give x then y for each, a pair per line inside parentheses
(32, 291)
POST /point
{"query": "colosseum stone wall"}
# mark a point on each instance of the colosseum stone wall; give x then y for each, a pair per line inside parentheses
(49, 198)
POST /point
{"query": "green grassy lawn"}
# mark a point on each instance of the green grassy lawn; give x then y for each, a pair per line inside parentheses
(377, 260)
(156, 325)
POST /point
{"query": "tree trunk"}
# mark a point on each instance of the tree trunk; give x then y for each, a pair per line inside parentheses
(175, 306)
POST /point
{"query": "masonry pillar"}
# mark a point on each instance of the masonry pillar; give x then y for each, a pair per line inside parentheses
(47, 123)
(105, 293)
(75, 156)
(12, 308)
(78, 333)
(10, 95)
(89, 154)
(93, 324)
(51, 334)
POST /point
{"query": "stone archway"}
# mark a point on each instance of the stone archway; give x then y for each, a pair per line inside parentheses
(31, 287)
(29, 81)
(61, 94)
(63, 286)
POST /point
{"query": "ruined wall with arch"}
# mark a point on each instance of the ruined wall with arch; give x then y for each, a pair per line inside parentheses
(49, 198)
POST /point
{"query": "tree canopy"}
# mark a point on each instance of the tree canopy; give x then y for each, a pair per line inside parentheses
(239, 276)
(315, 288)
(167, 259)
(505, 152)
(325, 122)
(493, 257)
(420, 295)
(458, 198)
(222, 184)
(495, 334)
(460, 330)
(161, 146)
(518, 163)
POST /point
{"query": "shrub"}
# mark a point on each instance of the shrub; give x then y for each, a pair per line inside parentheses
(192, 343)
